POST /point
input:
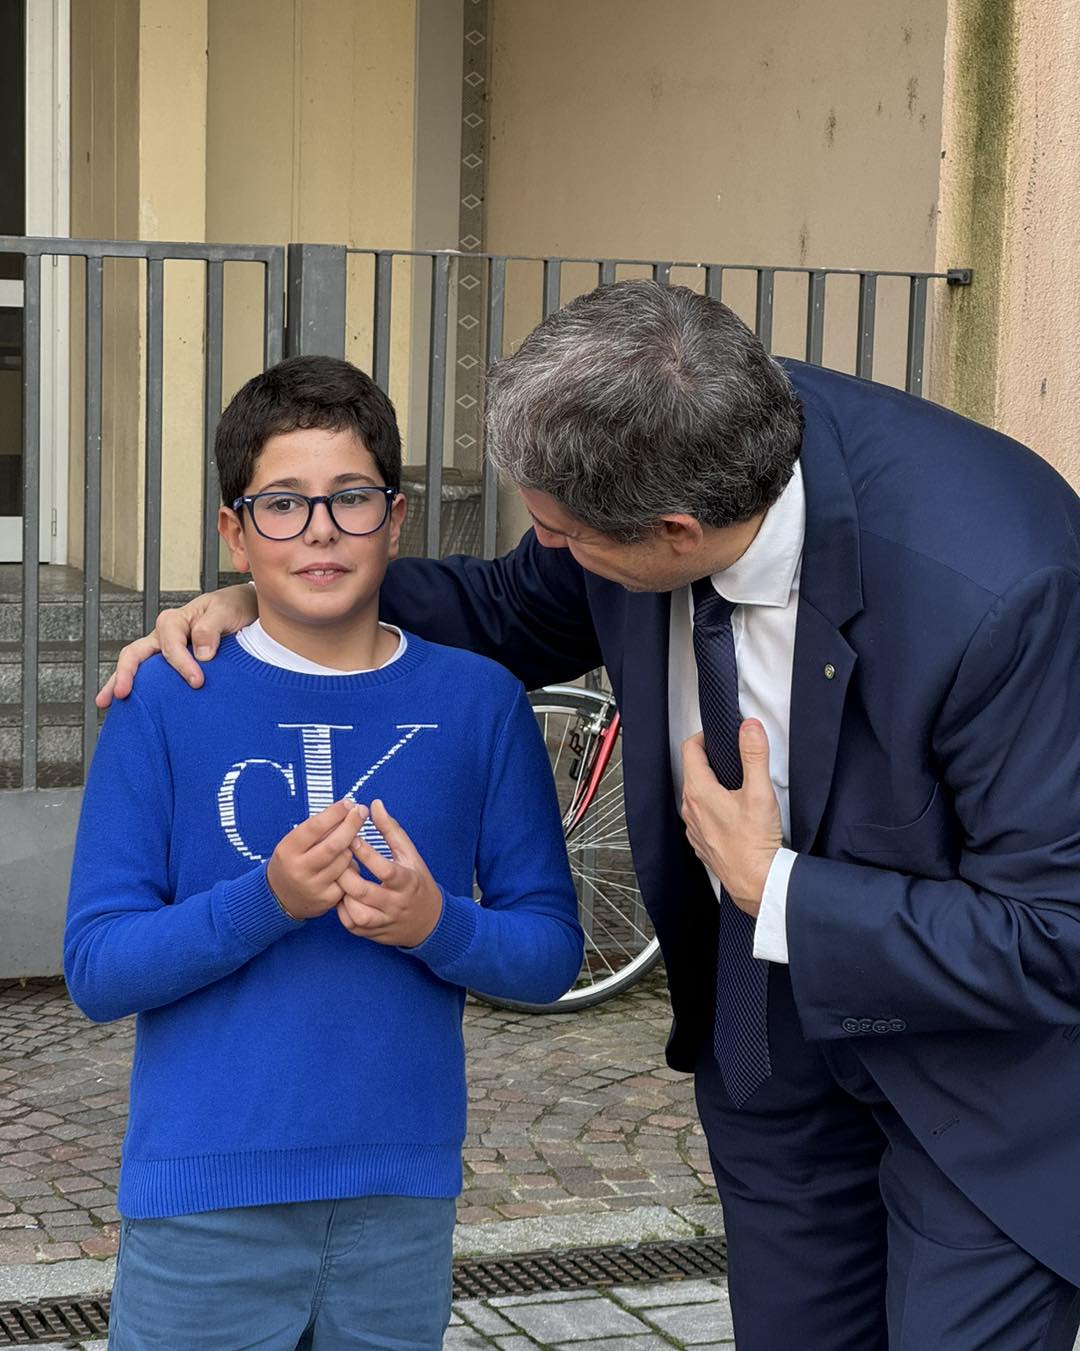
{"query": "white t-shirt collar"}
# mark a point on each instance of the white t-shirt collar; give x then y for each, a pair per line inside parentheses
(257, 643)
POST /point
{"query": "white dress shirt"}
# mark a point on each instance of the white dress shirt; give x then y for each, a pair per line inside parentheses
(764, 584)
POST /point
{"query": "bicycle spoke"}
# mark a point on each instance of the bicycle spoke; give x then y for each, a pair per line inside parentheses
(577, 726)
(600, 954)
(624, 918)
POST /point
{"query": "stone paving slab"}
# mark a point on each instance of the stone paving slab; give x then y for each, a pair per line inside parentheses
(578, 1133)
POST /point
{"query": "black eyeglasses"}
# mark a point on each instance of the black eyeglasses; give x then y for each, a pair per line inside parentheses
(354, 511)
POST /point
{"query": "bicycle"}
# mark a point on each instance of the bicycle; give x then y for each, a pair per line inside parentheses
(581, 729)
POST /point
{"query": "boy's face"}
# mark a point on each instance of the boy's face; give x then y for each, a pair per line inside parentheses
(324, 577)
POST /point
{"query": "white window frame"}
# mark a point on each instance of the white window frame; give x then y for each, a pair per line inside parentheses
(48, 212)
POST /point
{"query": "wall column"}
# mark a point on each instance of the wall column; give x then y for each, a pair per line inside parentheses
(1004, 349)
(172, 205)
(138, 101)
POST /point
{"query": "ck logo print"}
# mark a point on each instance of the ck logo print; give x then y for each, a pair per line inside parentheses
(317, 758)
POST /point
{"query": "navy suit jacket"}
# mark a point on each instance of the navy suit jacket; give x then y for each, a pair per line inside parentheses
(934, 911)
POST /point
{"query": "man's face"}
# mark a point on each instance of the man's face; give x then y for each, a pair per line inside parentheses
(673, 555)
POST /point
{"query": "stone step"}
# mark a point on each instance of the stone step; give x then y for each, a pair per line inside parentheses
(60, 618)
(60, 672)
(59, 758)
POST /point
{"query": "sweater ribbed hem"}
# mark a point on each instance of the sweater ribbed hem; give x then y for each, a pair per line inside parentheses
(255, 913)
(452, 937)
(156, 1188)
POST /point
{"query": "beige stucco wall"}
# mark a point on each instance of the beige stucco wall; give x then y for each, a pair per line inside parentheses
(780, 132)
(311, 116)
(258, 121)
(104, 203)
(1005, 348)
(1039, 399)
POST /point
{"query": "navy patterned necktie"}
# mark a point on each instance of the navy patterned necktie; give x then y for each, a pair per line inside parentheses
(740, 1032)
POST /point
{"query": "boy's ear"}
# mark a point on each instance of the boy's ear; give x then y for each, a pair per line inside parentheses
(231, 531)
(397, 519)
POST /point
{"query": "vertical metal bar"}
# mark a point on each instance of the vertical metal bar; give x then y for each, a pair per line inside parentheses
(274, 308)
(31, 508)
(864, 353)
(440, 303)
(92, 507)
(489, 485)
(661, 272)
(815, 317)
(317, 282)
(916, 335)
(764, 312)
(384, 280)
(552, 285)
(152, 502)
(211, 413)
(714, 281)
(607, 272)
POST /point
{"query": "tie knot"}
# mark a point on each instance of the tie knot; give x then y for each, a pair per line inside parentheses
(711, 609)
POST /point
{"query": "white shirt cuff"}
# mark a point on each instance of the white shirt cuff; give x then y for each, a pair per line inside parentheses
(770, 931)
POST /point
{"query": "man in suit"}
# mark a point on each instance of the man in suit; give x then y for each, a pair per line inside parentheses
(843, 629)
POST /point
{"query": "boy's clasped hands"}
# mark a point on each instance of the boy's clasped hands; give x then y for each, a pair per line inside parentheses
(313, 870)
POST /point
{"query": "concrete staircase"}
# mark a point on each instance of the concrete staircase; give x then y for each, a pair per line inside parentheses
(60, 675)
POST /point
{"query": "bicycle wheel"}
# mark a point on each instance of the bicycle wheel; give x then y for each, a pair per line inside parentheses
(620, 946)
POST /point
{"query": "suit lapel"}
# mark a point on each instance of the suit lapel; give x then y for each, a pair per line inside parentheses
(823, 665)
(830, 594)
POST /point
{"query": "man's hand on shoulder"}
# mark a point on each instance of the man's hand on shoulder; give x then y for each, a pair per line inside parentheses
(735, 833)
(197, 625)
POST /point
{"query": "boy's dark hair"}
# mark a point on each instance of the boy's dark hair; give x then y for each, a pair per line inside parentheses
(296, 394)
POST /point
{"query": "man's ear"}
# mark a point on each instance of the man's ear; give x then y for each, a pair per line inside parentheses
(681, 533)
(231, 530)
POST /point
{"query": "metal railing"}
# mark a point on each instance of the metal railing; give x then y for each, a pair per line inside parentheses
(95, 253)
(402, 315)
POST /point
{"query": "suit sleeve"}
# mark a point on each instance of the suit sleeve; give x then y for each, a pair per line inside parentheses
(997, 946)
(523, 940)
(528, 609)
(129, 943)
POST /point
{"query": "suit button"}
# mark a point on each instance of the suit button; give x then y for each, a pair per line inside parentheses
(850, 1024)
(897, 1025)
(866, 1024)
(880, 1025)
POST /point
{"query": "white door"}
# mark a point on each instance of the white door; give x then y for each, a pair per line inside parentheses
(34, 177)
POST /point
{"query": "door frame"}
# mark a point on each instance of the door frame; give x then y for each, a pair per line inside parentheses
(48, 212)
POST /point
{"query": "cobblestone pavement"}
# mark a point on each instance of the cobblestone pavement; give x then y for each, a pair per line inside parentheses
(631, 1318)
(572, 1115)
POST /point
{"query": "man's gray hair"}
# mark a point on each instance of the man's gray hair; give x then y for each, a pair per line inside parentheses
(639, 400)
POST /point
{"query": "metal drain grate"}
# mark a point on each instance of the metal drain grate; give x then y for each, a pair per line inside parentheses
(579, 1268)
(54, 1321)
(474, 1278)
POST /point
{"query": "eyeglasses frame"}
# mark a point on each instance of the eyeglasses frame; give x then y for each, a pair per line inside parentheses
(312, 502)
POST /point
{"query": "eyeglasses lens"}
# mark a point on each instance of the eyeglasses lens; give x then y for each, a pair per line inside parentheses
(284, 515)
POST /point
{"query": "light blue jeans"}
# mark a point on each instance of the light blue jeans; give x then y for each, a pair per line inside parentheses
(371, 1273)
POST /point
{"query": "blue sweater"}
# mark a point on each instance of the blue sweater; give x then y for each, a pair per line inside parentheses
(277, 1061)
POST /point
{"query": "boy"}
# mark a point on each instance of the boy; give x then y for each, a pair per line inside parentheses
(298, 1091)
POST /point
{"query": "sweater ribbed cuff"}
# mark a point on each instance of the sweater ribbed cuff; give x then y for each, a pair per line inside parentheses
(254, 911)
(452, 937)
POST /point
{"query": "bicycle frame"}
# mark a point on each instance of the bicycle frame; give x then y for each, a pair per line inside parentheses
(590, 782)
